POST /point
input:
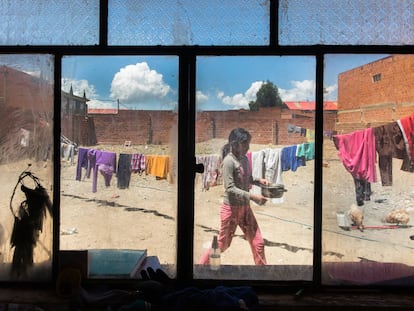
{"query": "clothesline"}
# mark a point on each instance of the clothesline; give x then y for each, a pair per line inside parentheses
(108, 164)
(358, 152)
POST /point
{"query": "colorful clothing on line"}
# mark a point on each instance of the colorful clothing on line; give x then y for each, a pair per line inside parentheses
(124, 171)
(138, 163)
(83, 163)
(357, 153)
(104, 162)
(407, 128)
(157, 165)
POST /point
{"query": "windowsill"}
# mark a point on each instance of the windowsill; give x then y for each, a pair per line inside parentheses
(321, 300)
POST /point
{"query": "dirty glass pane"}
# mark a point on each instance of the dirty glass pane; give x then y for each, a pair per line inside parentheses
(118, 169)
(188, 22)
(368, 171)
(45, 22)
(273, 98)
(353, 22)
(26, 159)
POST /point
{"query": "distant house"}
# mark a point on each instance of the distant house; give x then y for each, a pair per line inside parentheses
(73, 105)
(76, 125)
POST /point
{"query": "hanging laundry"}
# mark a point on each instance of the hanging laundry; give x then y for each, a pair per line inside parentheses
(67, 152)
(407, 128)
(291, 128)
(212, 170)
(289, 159)
(357, 153)
(273, 165)
(105, 163)
(157, 165)
(138, 163)
(362, 191)
(306, 151)
(389, 142)
(83, 163)
(303, 132)
(124, 171)
(310, 135)
(257, 169)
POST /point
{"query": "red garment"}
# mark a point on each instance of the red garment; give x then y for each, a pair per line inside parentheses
(357, 153)
(407, 128)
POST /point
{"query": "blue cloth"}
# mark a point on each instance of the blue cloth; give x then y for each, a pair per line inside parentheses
(289, 159)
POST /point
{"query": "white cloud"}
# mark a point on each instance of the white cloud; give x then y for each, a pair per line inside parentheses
(301, 91)
(81, 86)
(240, 100)
(136, 84)
(201, 97)
(78, 87)
(331, 92)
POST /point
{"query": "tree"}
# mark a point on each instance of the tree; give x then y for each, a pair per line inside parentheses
(267, 96)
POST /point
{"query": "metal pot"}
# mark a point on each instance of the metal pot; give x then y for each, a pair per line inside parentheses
(273, 191)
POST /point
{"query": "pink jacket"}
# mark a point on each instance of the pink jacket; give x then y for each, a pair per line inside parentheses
(357, 153)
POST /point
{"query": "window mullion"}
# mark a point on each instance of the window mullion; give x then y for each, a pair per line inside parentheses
(186, 167)
(317, 251)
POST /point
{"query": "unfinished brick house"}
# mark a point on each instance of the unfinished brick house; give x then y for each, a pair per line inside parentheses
(375, 93)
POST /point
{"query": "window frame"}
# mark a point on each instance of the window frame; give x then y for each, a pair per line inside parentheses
(187, 56)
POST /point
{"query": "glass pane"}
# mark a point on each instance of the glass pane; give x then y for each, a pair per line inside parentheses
(26, 158)
(45, 22)
(367, 176)
(188, 22)
(353, 22)
(272, 98)
(119, 129)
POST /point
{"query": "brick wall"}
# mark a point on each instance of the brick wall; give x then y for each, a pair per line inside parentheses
(267, 126)
(363, 102)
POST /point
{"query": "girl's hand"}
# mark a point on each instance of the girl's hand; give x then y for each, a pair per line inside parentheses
(263, 181)
(258, 198)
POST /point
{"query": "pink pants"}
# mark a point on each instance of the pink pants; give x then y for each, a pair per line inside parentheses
(231, 217)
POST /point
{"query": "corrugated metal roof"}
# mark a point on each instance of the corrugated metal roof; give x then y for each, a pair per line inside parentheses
(308, 105)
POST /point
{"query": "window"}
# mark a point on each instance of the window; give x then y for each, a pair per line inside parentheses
(173, 79)
(376, 77)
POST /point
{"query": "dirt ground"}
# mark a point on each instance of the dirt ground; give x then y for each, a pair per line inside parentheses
(144, 215)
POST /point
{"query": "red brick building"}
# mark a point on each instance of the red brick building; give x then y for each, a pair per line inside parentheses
(376, 93)
(27, 101)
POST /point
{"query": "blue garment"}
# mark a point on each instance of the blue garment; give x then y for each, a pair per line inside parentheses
(289, 159)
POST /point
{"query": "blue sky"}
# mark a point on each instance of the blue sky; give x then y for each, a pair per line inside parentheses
(151, 82)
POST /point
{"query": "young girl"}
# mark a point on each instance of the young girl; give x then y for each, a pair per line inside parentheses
(235, 209)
